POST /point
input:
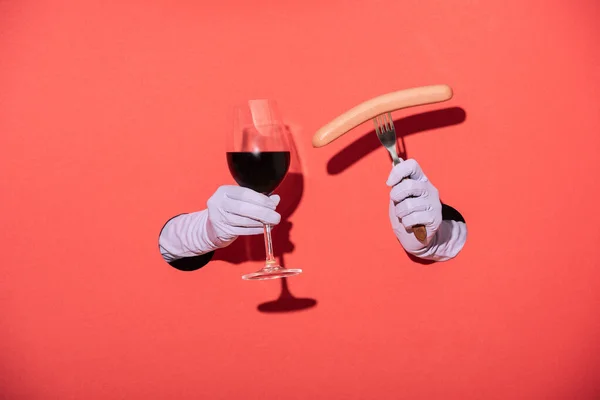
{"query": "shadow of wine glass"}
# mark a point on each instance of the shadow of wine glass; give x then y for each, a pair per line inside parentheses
(286, 302)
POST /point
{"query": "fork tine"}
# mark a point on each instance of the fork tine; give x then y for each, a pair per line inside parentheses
(378, 128)
(390, 121)
(383, 123)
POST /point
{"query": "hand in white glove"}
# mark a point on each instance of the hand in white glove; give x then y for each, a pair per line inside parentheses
(236, 211)
(231, 211)
(413, 201)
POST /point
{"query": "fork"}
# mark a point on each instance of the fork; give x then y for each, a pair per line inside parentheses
(386, 133)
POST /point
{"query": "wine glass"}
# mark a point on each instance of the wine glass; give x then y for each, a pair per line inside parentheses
(258, 156)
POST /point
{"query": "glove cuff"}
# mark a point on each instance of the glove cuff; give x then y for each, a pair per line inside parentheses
(188, 235)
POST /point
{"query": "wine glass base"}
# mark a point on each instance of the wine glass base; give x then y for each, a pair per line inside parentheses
(271, 272)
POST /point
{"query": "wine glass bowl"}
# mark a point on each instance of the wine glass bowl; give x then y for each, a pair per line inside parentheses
(261, 171)
(258, 157)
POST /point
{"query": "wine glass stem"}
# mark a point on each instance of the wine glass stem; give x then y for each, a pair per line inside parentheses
(269, 245)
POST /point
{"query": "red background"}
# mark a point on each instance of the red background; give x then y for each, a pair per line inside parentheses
(113, 118)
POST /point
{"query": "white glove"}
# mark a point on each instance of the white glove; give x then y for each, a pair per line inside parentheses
(236, 211)
(231, 211)
(413, 201)
(445, 239)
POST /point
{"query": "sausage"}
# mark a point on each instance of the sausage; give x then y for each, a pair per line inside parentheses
(380, 105)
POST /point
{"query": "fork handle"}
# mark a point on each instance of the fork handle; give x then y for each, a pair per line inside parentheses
(418, 230)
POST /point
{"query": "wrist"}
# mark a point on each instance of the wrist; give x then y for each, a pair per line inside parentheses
(210, 235)
(189, 235)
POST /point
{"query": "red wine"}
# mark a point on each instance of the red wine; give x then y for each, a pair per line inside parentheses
(261, 171)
